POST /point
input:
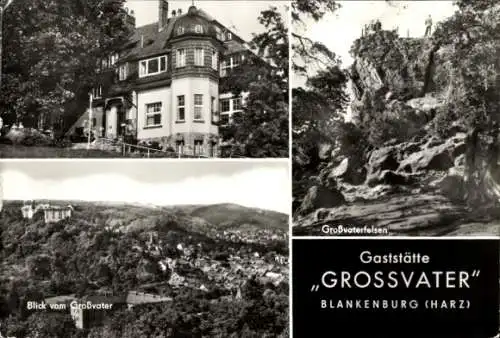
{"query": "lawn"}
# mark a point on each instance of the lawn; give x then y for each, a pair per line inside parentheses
(19, 151)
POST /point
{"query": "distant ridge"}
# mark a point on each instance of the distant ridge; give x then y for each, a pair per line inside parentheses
(220, 216)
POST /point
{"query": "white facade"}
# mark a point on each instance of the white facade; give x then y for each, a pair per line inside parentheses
(175, 115)
(53, 215)
(149, 97)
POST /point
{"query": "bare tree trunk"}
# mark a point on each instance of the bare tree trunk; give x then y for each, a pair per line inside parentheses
(480, 161)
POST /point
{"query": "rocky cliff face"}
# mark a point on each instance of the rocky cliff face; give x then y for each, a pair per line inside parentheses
(405, 67)
(413, 180)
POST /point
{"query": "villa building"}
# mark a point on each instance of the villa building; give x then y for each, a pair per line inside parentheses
(51, 213)
(163, 85)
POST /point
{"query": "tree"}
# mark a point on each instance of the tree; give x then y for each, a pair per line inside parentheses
(317, 108)
(262, 129)
(53, 51)
(474, 98)
(308, 53)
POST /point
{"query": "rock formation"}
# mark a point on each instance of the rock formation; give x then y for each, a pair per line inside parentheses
(410, 178)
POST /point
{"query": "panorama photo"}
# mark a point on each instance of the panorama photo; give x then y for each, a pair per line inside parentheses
(144, 249)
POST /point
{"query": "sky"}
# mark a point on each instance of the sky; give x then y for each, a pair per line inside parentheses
(339, 30)
(239, 16)
(255, 184)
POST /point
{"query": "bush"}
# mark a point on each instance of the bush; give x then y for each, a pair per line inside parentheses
(61, 143)
(398, 122)
(151, 144)
(28, 137)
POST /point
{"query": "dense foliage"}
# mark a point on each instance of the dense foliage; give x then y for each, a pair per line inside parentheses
(262, 128)
(84, 256)
(317, 108)
(52, 50)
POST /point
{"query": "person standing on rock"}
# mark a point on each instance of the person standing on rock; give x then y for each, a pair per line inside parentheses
(428, 26)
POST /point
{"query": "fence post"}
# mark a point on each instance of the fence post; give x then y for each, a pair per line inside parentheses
(148, 152)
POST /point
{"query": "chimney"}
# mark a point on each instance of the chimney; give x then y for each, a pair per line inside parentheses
(162, 14)
(173, 12)
(179, 11)
(142, 41)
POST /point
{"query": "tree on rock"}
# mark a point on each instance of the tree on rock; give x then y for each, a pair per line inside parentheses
(474, 95)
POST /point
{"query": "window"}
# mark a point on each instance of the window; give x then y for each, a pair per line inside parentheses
(198, 29)
(143, 68)
(224, 119)
(237, 104)
(181, 108)
(97, 92)
(215, 59)
(112, 59)
(153, 114)
(230, 63)
(198, 106)
(213, 106)
(181, 58)
(213, 109)
(153, 66)
(122, 72)
(198, 56)
(224, 67)
(180, 30)
(163, 64)
(235, 61)
(229, 35)
(224, 105)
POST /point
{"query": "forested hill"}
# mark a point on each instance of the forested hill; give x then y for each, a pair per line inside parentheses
(114, 248)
